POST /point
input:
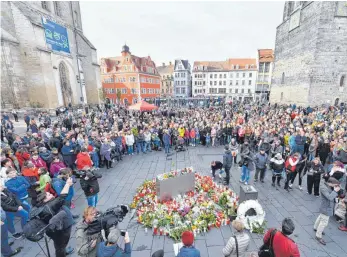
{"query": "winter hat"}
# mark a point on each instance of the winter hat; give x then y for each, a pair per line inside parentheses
(288, 226)
(187, 238)
(113, 236)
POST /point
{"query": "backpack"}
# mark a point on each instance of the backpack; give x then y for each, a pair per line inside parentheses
(34, 229)
(266, 249)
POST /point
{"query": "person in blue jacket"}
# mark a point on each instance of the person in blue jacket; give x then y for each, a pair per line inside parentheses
(115, 245)
(188, 250)
(166, 140)
(292, 143)
(58, 184)
(19, 186)
(68, 152)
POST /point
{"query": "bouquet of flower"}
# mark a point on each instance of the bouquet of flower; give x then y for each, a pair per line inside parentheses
(210, 205)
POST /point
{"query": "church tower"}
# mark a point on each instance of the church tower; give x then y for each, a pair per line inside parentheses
(310, 65)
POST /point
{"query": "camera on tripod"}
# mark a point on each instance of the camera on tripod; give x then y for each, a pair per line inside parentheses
(108, 219)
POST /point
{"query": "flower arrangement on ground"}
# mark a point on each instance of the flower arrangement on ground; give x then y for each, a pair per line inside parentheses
(252, 215)
(209, 205)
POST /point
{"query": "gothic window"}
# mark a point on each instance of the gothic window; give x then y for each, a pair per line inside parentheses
(65, 84)
(44, 5)
(283, 77)
(342, 81)
(57, 8)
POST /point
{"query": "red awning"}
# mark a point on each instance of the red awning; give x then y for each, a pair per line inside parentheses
(143, 106)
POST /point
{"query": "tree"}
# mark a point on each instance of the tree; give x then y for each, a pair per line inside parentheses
(119, 95)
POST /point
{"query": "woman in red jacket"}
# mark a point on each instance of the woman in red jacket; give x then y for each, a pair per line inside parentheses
(83, 159)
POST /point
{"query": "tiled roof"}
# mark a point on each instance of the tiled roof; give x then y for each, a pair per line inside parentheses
(266, 55)
(167, 69)
(113, 62)
(230, 64)
(184, 62)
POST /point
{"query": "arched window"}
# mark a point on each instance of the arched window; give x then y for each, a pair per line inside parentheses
(283, 77)
(281, 96)
(65, 84)
(342, 81)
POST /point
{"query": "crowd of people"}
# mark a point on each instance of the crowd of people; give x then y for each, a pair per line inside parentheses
(40, 167)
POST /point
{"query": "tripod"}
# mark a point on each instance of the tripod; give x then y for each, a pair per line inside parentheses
(46, 241)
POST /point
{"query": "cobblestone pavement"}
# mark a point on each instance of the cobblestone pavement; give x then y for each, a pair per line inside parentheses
(119, 184)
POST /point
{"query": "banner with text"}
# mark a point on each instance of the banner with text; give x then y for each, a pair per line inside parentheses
(56, 36)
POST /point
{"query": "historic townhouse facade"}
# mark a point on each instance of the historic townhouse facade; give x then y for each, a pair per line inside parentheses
(167, 80)
(233, 78)
(128, 79)
(265, 67)
(182, 79)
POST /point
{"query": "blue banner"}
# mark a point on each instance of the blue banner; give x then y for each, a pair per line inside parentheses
(56, 36)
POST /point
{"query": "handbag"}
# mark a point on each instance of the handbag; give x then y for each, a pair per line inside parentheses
(237, 246)
(266, 249)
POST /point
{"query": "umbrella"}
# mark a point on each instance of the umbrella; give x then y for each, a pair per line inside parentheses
(143, 106)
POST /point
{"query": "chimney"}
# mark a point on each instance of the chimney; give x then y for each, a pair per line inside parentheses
(170, 63)
(164, 64)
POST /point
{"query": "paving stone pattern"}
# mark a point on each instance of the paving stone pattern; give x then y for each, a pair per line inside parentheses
(119, 184)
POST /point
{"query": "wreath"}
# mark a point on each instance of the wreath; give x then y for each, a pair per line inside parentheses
(252, 215)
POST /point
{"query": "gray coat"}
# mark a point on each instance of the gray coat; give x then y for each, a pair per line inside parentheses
(328, 197)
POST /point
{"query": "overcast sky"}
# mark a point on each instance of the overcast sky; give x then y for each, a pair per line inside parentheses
(197, 31)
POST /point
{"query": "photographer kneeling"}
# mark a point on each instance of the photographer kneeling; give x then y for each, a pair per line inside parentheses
(116, 242)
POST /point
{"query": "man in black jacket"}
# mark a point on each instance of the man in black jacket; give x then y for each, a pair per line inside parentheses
(227, 163)
(13, 208)
(90, 186)
(58, 216)
(215, 166)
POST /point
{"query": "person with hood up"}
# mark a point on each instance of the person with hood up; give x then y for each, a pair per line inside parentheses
(188, 250)
(227, 163)
(114, 245)
(83, 159)
(277, 166)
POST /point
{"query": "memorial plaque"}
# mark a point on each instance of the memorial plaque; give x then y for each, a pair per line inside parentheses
(171, 187)
(247, 193)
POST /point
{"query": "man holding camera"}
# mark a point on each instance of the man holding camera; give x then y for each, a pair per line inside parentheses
(117, 244)
(329, 192)
(86, 244)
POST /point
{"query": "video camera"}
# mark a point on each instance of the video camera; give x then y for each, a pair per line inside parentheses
(110, 218)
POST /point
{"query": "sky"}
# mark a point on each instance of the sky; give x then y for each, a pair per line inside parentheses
(197, 31)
